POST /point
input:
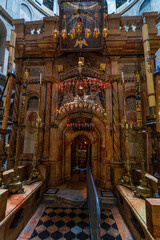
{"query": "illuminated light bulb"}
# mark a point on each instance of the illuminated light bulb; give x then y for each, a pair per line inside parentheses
(87, 33)
(55, 33)
(72, 33)
(105, 32)
(64, 33)
(96, 33)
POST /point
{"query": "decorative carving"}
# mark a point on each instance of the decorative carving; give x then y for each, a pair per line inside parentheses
(131, 103)
(86, 72)
(32, 103)
(129, 71)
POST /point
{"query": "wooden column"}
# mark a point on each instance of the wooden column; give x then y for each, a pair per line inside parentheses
(115, 74)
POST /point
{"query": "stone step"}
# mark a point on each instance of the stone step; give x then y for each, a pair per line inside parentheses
(78, 198)
(107, 197)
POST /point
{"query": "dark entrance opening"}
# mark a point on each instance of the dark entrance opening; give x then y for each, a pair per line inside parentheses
(81, 149)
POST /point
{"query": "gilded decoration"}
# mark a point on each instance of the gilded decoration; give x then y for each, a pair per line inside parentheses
(80, 25)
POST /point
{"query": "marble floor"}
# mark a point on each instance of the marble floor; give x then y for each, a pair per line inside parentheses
(57, 221)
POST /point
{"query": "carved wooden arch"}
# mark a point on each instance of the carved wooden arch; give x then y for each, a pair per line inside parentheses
(32, 92)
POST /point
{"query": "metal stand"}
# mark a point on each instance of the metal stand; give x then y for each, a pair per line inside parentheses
(35, 174)
(126, 179)
(143, 189)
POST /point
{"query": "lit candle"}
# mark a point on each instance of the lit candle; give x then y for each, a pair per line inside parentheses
(40, 78)
(122, 77)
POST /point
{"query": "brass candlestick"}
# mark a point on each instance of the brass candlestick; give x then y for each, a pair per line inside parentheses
(126, 179)
(35, 174)
(143, 189)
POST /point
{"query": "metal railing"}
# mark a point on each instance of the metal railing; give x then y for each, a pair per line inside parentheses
(93, 207)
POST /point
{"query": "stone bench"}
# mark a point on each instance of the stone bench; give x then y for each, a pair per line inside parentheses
(133, 211)
(19, 209)
(153, 216)
(3, 203)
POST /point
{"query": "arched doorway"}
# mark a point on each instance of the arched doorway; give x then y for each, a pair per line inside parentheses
(81, 152)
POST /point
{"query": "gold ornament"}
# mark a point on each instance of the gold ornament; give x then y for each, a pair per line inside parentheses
(72, 33)
(96, 33)
(64, 34)
(79, 25)
(105, 32)
(55, 33)
(87, 33)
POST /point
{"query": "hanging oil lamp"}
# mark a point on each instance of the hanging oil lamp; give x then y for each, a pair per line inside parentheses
(80, 63)
(56, 32)
(105, 32)
(87, 31)
(96, 32)
(79, 23)
(64, 31)
(72, 31)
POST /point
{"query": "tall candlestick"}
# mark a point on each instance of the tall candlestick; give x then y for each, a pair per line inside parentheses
(40, 78)
(122, 77)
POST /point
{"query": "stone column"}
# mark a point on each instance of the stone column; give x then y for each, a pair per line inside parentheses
(47, 120)
(115, 74)
(42, 115)
(56, 163)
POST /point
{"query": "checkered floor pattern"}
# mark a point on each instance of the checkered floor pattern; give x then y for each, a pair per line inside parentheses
(73, 223)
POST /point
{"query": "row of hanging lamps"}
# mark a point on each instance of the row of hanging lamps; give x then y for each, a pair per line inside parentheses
(77, 27)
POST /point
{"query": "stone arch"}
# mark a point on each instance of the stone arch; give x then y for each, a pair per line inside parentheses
(64, 140)
(119, 3)
(3, 34)
(26, 12)
(87, 134)
(69, 136)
